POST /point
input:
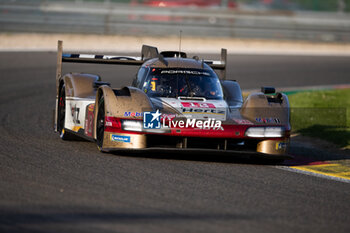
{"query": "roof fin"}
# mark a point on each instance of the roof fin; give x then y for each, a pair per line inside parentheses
(162, 60)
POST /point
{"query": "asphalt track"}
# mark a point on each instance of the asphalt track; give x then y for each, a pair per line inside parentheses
(49, 185)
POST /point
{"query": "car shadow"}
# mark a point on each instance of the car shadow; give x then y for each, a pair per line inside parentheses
(203, 156)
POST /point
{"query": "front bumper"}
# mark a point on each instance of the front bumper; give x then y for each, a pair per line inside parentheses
(147, 142)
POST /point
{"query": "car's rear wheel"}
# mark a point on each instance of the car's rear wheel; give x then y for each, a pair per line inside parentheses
(100, 124)
(61, 117)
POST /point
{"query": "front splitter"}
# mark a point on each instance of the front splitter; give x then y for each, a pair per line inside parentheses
(198, 152)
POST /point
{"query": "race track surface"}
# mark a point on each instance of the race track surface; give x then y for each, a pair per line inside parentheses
(50, 185)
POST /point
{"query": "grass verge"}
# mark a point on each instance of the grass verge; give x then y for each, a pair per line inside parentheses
(323, 114)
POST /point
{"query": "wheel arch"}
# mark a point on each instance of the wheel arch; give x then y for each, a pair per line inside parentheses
(260, 105)
(119, 101)
(79, 85)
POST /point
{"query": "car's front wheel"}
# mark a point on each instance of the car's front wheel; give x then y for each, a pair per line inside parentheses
(100, 124)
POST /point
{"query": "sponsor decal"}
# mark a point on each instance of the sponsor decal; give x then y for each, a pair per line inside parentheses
(197, 105)
(281, 145)
(193, 72)
(133, 114)
(243, 122)
(151, 120)
(75, 114)
(120, 138)
(267, 120)
(203, 110)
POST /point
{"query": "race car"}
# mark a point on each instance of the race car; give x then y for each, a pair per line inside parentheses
(174, 103)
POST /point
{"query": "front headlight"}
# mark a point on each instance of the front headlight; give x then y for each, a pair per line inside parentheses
(132, 125)
(265, 132)
(137, 126)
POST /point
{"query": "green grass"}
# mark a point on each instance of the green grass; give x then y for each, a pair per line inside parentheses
(323, 114)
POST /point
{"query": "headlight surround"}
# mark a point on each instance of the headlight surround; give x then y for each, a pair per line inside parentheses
(265, 132)
(131, 125)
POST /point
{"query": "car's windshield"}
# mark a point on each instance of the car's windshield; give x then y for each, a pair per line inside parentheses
(173, 83)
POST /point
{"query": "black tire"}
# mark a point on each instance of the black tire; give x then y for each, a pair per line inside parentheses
(100, 123)
(61, 115)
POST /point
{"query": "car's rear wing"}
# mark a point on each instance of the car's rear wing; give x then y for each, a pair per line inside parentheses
(147, 52)
(90, 58)
(219, 65)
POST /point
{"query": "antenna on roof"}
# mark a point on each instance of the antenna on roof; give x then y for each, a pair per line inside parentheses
(180, 41)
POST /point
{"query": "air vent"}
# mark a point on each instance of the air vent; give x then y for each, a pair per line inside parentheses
(98, 84)
(268, 90)
(174, 54)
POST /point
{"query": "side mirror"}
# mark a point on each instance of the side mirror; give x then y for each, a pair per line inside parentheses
(134, 81)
